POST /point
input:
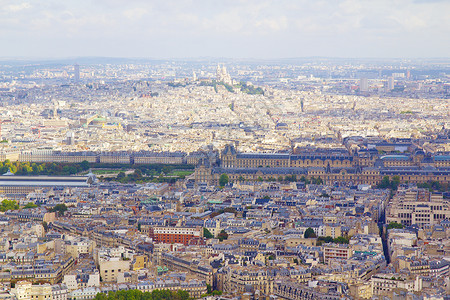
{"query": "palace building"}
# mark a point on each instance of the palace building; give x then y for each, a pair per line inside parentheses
(331, 166)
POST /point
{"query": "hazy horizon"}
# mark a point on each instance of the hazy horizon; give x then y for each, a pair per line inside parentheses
(188, 29)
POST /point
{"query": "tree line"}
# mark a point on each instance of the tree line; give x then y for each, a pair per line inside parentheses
(55, 168)
(139, 295)
(47, 168)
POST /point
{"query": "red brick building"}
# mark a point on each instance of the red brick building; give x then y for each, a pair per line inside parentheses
(172, 235)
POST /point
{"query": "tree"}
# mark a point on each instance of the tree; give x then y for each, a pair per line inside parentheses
(395, 225)
(207, 234)
(395, 182)
(8, 205)
(389, 184)
(309, 233)
(216, 293)
(324, 239)
(291, 178)
(30, 205)
(59, 208)
(139, 295)
(223, 235)
(85, 165)
(341, 240)
(137, 174)
(317, 181)
(45, 225)
(223, 180)
(305, 180)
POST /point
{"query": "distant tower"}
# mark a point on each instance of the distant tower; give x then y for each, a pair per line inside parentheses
(55, 109)
(364, 85)
(194, 76)
(76, 73)
(218, 72)
(70, 138)
(391, 83)
(302, 105)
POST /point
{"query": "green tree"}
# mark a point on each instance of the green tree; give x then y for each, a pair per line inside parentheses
(137, 174)
(207, 234)
(395, 225)
(216, 293)
(395, 182)
(309, 233)
(30, 205)
(317, 180)
(138, 295)
(59, 208)
(291, 178)
(223, 180)
(85, 165)
(223, 235)
(341, 240)
(324, 239)
(389, 184)
(8, 205)
(45, 225)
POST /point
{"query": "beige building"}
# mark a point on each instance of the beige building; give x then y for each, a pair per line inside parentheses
(237, 278)
(333, 230)
(139, 262)
(417, 206)
(79, 246)
(385, 284)
(25, 290)
(115, 157)
(111, 268)
(145, 157)
(361, 290)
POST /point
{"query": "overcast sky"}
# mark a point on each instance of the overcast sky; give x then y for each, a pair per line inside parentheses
(225, 28)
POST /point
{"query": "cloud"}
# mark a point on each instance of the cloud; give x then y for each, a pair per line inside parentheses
(243, 28)
(135, 13)
(17, 7)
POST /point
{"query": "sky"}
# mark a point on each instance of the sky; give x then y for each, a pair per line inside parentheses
(260, 29)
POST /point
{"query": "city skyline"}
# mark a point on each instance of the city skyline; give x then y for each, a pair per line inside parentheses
(211, 149)
(240, 29)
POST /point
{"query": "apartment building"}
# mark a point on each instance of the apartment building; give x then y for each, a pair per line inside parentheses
(419, 207)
